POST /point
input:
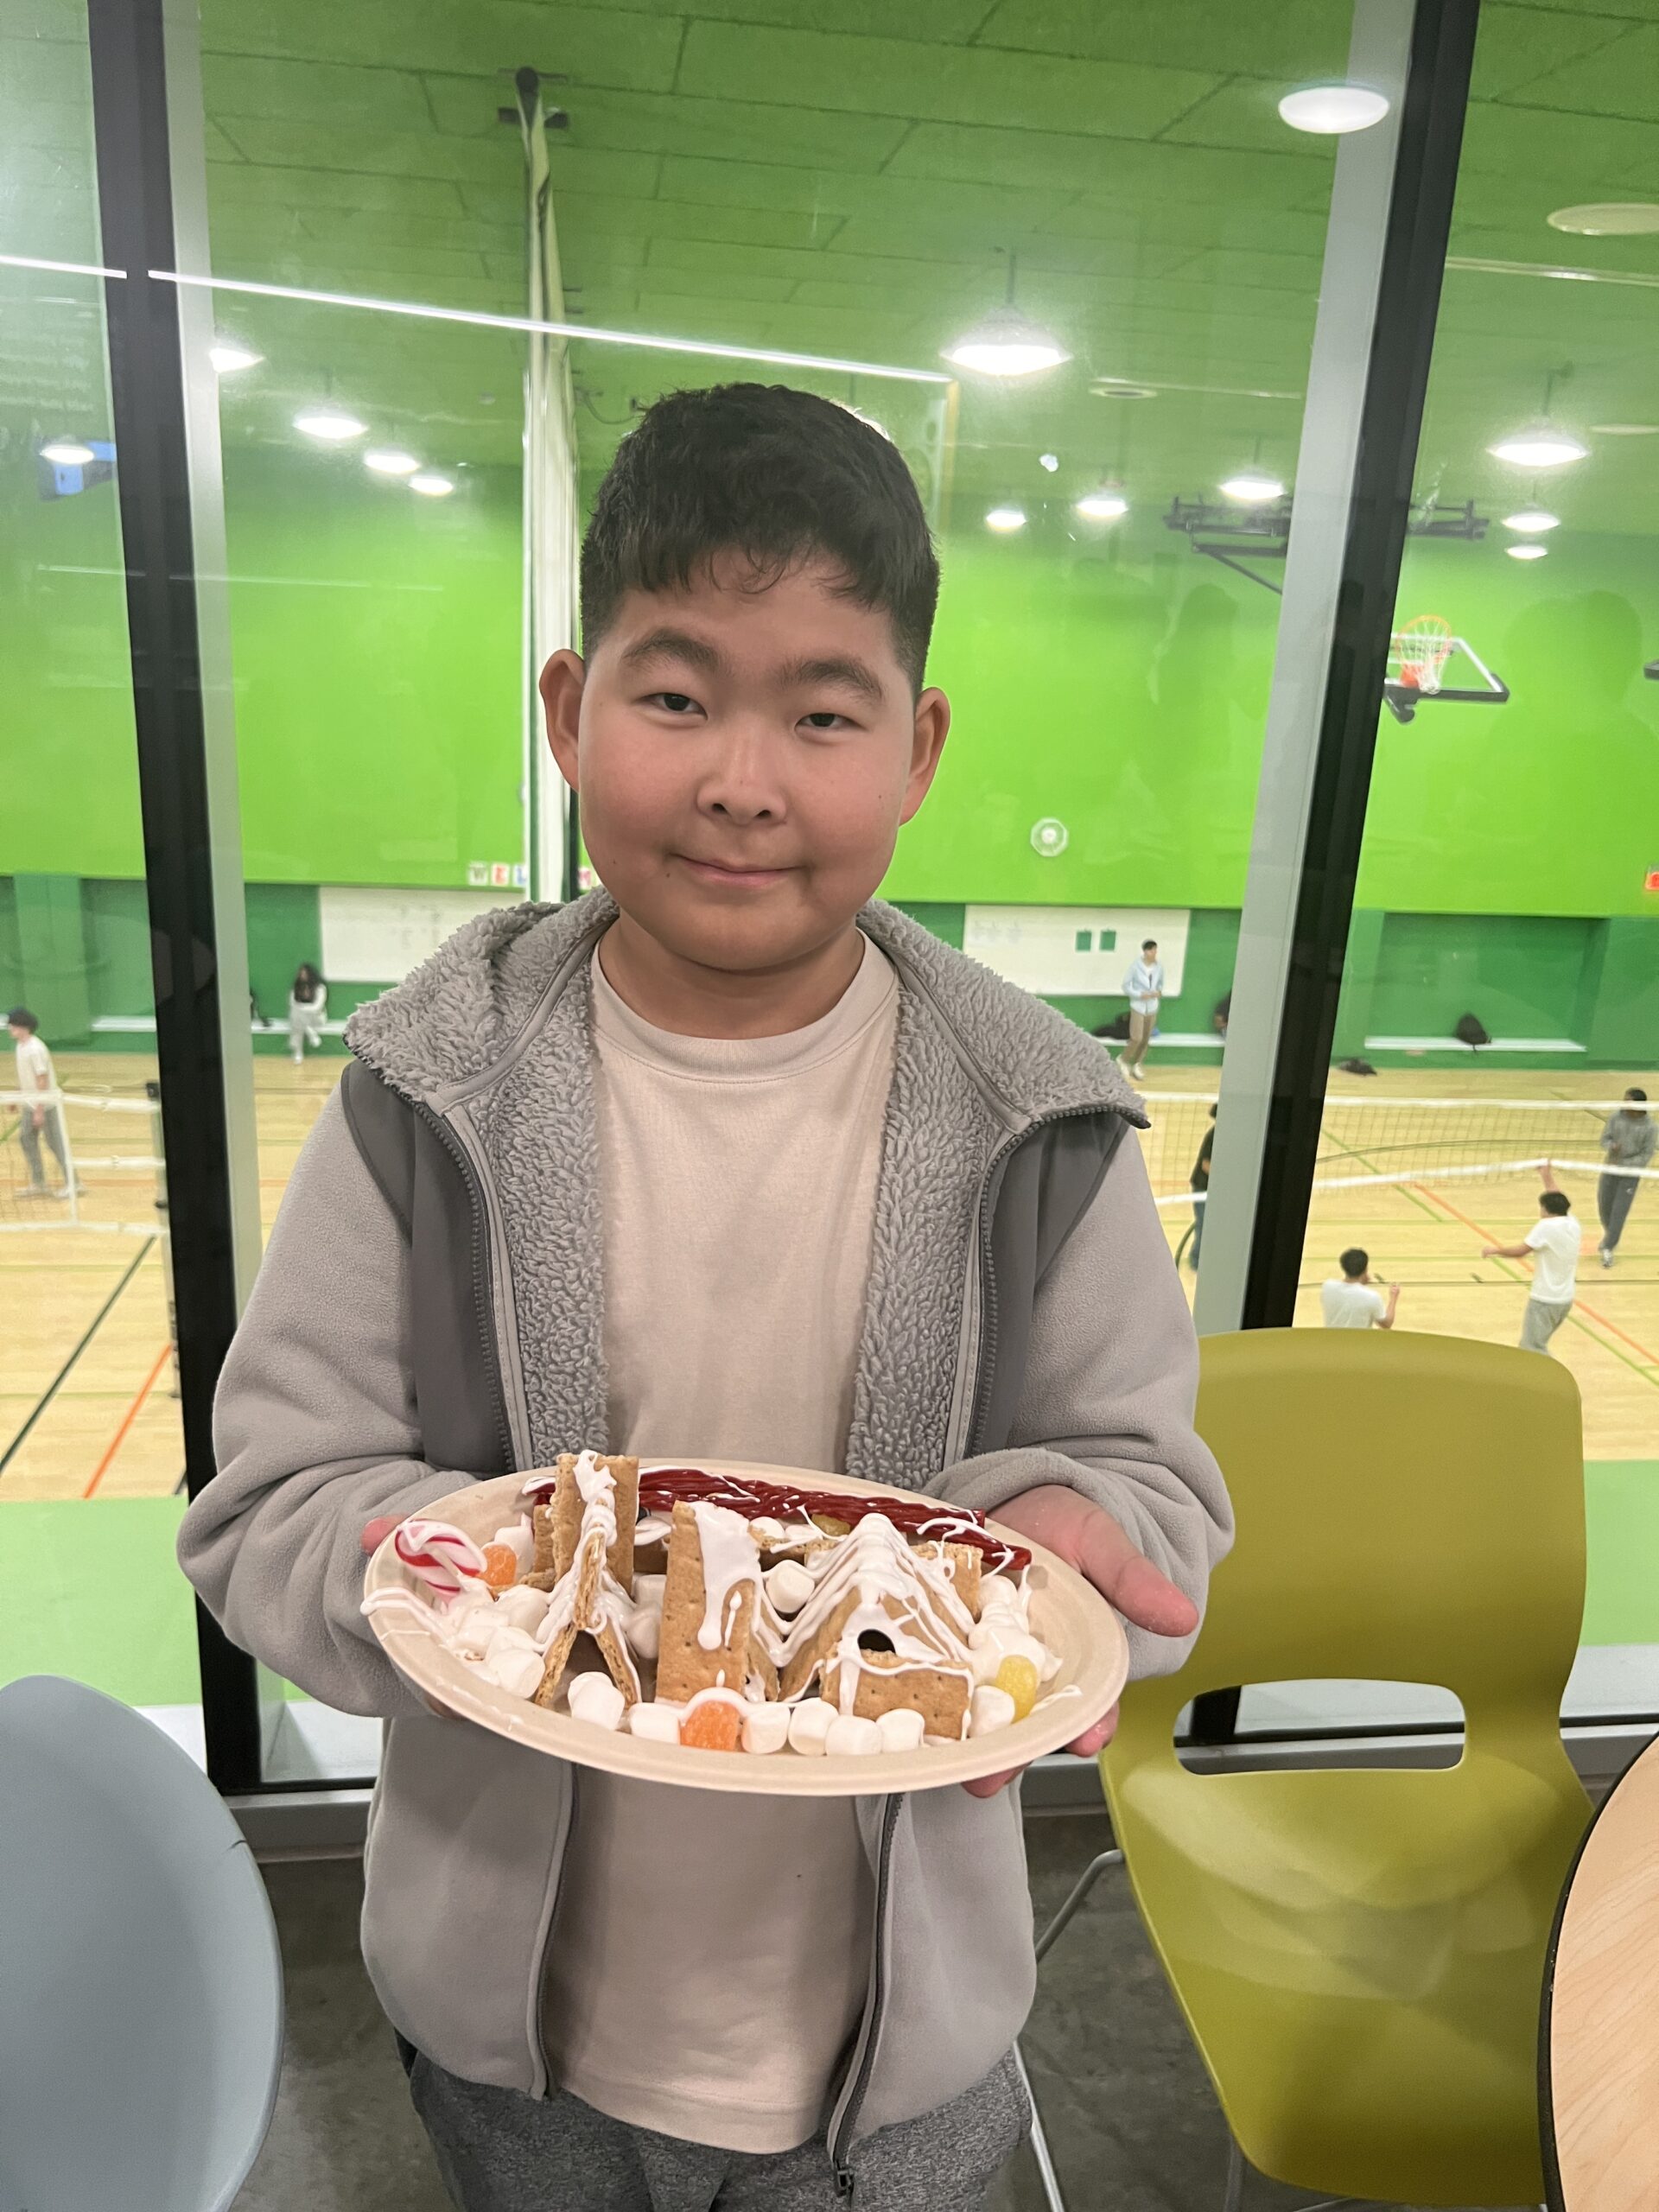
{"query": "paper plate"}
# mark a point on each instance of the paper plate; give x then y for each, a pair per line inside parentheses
(1068, 1613)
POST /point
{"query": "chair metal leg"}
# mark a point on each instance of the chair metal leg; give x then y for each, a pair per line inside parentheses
(1086, 1882)
(1235, 2195)
(1040, 2150)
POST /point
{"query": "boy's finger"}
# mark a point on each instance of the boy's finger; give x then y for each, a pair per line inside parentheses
(988, 1784)
(1132, 1583)
(375, 1532)
(1096, 1738)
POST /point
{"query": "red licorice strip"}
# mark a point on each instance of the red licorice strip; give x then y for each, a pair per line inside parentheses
(753, 1496)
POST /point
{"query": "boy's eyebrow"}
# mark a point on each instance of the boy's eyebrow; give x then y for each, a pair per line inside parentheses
(678, 644)
(834, 668)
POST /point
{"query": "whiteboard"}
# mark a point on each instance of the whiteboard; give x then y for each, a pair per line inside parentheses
(1076, 951)
(376, 934)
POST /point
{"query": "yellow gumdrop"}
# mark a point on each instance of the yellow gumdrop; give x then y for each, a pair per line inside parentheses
(1018, 1677)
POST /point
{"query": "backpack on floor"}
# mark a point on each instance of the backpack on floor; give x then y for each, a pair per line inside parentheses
(1471, 1030)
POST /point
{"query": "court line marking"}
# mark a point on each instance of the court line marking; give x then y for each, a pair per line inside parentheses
(128, 1419)
(62, 1375)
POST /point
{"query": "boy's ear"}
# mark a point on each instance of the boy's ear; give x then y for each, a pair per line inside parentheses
(561, 687)
(931, 729)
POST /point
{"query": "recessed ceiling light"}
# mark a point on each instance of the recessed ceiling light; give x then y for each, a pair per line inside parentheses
(1051, 462)
(227, 357)
(330, 425)
(1625, 430)
(1104, 505)
(1004, 519)
(1330, 110)
(1608, 218)
(387, 461)
(67, 453)
(1540, 445)
(434, 486)
(1107, 388)
(1528, 552)
(1252, 486)
(1006, 343)
(1531, 520)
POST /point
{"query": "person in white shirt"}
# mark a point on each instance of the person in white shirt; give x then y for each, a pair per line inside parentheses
(1350, 1302)
(1552, 1245)
(307, 1007)
(35, 1074)
(1144, 988)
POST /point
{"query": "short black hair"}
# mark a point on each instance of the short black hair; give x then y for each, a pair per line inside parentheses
(1149, 944)
(1635, 1092)
(778, 476)
(21, 1018)
(1556, 1202)
(1353, 1261)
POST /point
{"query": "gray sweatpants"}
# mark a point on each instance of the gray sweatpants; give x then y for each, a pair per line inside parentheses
(500, 2152)
(29, 1137)
(1543, 1317)
(1615, 1196)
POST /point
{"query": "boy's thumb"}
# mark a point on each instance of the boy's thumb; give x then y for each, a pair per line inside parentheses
(375, 1532)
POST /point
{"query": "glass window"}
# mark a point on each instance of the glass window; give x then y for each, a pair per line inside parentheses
(91, 1456)
(1499, 999)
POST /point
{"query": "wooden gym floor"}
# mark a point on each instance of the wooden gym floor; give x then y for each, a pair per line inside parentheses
(86, 1404)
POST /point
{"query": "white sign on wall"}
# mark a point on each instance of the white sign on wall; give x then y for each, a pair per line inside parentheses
(373, 934)
(1075, 951)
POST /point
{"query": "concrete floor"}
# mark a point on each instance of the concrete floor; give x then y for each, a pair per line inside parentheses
(1131, 2119)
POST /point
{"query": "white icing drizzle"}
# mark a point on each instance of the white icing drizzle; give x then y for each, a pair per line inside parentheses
(731, 1564)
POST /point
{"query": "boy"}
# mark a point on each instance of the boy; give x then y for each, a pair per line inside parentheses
(1144, 988)
(724, 1159)
(1350, 1303)
(1628, 1139)
(1553, 1243)
(36, 1118)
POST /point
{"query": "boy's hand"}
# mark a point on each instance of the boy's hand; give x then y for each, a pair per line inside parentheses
(1064, 1521)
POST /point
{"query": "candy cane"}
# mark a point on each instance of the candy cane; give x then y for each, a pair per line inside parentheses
(439, 1553)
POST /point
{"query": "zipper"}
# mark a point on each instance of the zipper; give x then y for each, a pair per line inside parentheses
(482, 1302)
(852, 2097)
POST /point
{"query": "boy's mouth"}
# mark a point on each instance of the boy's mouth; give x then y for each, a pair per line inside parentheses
(732, 877)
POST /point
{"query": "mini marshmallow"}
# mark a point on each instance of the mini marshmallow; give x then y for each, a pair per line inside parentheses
(766, 1727)
(900, 1730)
(520, 1541)
(656, 1723)
(992, 1709)
(648, 1591)
(474, 1596)
(522, 1607)
(810, 1723)
(789, 1585)
(596, 1699)
(518, 1673)
(644, 1631)
(766, 1531)
(998, 1595)
(851, 1738)
(995, 1640)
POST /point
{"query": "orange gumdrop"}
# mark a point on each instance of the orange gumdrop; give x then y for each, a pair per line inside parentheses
(500, 1567)
(714, 1727)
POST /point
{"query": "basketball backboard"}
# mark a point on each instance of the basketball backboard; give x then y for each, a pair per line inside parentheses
(1429, 663)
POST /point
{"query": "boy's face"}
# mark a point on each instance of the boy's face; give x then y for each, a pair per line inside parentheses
(744, 760)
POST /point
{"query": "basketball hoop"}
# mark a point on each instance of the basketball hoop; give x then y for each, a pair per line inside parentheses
(1420, 653)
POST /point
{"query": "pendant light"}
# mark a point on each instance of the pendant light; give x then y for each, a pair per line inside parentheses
(1006, 343)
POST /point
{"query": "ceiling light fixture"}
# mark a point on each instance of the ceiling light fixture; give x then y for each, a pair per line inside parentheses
(1006, 343)
(329, 425)
(1004, 520)
(388, 461)
(1109, 388)
(430, 483)
(1051, 462)
(1531, 520)
(1528, 552)
(1608, 218)
(1332, 110)
(1540, 445)
(67, 453)
(227, 357)
(1253, 487)
(1104, 505)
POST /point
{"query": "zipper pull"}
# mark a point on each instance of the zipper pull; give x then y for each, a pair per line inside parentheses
(843, 2182)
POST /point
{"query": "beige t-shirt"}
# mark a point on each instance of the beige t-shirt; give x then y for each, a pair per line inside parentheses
(710, 1952)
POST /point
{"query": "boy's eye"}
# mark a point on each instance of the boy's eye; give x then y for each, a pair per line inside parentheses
(824, 720)
(675, 703)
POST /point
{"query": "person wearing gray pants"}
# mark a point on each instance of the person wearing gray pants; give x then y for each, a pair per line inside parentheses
(1627, 1141)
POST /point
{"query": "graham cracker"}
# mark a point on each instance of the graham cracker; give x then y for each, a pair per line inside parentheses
(966, 1561)
(683, 1667)
(559, 1524)
(589, 1617)
(887, 1683)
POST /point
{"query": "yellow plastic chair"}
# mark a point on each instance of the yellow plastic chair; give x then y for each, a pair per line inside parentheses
(1359, 1954)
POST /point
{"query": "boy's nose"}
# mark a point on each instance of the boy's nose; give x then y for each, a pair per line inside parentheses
(741, 784)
